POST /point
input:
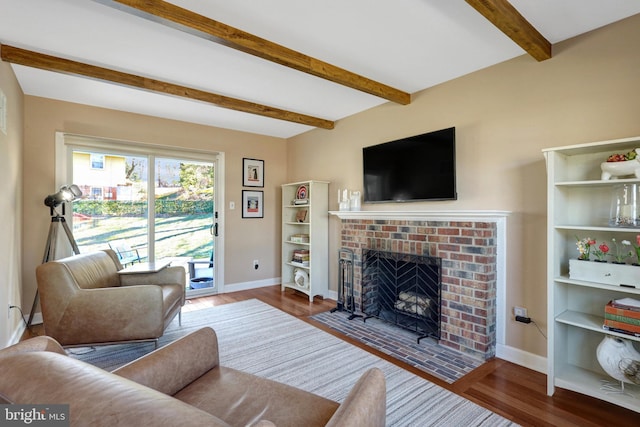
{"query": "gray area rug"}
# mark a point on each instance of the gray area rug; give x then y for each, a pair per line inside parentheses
(260, 339)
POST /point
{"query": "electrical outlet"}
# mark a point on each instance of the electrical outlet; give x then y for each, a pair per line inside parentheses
(520, 311)
(256, 264)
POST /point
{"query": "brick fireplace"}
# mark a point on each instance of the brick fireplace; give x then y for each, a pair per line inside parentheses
(468, 244)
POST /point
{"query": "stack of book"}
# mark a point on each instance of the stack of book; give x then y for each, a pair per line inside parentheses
(300, 257)
(623, 315)
(300, 238)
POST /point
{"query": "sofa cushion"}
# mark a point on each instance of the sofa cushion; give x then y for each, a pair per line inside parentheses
(171, 368)
(93, 270)
(243, 399)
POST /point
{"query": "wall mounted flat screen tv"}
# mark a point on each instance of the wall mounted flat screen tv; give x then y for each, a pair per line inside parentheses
(417, 168)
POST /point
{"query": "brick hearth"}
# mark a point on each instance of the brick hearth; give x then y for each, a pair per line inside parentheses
(468, 249)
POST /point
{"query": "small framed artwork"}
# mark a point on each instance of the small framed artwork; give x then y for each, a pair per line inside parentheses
(252, 204)
(301, 215)
(252, 173)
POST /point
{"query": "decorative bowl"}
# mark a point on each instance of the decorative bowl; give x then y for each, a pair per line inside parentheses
(617, 169)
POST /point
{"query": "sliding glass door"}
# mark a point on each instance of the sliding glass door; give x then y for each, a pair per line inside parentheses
(147, 207)
(185, 225)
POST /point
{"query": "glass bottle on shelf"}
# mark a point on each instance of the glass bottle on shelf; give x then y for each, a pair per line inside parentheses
(624, 206)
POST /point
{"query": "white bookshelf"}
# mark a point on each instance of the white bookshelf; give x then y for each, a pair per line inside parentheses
(578, 207)
(316, 226)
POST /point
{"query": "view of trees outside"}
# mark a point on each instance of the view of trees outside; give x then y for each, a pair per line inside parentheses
(114, 204)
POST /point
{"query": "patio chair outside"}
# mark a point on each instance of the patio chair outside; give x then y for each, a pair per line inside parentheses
(126, 253)
(201, 273)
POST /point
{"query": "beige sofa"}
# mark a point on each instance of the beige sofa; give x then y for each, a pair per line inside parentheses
(179, 384)
(86, 301)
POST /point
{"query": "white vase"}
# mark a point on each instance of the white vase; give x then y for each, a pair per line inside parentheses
(355, 200)
(605, 272)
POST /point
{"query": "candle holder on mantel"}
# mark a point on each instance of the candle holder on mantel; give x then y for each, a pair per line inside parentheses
(343, 200)
(624, 206)
(355, 201)
(349, 200)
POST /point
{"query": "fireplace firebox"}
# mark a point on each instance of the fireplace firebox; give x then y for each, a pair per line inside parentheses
(403, 289)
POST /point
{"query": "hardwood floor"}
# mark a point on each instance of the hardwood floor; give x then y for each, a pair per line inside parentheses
(515, 392)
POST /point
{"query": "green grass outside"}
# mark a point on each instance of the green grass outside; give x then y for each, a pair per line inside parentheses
(176, 236)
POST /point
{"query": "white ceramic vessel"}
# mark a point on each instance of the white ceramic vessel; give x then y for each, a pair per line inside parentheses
(618, 169)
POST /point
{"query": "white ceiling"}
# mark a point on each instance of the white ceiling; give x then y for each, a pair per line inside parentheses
(408, 44)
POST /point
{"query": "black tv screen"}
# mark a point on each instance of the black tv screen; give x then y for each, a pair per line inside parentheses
(417, 168)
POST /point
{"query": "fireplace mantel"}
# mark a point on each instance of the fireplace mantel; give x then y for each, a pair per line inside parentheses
(462, 215)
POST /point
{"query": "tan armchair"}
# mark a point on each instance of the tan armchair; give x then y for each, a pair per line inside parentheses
(85, 301)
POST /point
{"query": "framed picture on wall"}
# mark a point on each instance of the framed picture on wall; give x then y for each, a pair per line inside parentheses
(252, 173)
(252, 204)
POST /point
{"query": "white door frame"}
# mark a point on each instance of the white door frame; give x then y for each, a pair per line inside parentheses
(65, 143)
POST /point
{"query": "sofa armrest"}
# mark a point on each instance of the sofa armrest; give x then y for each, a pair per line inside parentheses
(42, 343)
(174, 366)
(166, 276)
(366, 403)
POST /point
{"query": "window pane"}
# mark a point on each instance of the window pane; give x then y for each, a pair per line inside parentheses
(184, 209)
(97, 161)
(113, 206)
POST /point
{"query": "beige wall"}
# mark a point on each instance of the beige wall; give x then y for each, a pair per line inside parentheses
(504, 115)
(245, 239)
(10, 206)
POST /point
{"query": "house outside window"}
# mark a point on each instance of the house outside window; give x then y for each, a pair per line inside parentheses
(96, 193)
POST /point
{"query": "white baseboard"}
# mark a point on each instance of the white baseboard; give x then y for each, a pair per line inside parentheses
(244, 286)
(37, 319)
(522, 358)
(17, 334)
